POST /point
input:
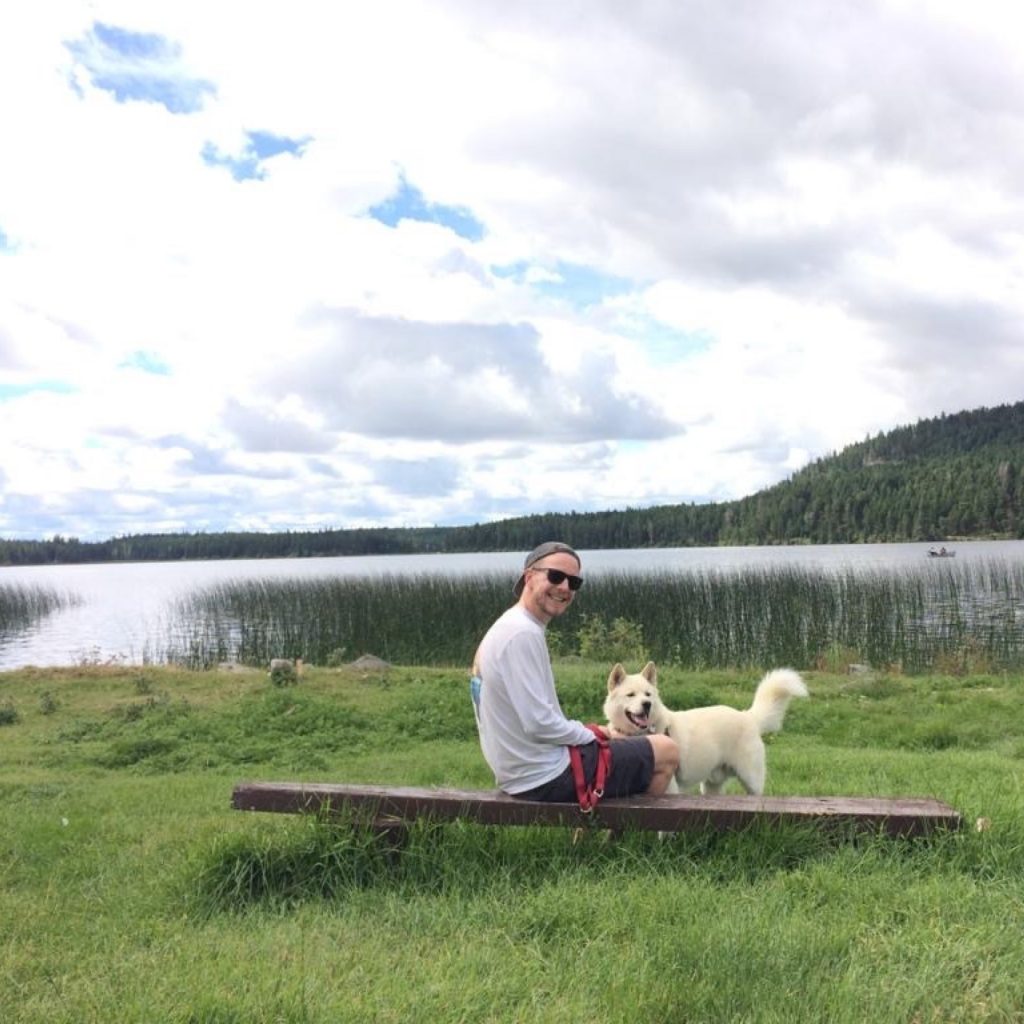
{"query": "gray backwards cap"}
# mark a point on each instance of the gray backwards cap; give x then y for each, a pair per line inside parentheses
(549, 547)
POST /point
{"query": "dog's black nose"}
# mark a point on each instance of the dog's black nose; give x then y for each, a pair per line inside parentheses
(647, 707)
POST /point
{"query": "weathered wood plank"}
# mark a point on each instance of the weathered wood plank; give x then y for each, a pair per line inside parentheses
(895, 816)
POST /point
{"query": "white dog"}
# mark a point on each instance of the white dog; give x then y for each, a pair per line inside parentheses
(715, 743)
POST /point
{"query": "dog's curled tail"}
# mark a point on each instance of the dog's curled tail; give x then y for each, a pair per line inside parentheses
(773, 695)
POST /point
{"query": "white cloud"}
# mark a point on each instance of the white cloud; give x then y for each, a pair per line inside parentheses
(711, 248)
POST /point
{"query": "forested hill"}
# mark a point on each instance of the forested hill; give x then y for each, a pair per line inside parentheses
(954, 476)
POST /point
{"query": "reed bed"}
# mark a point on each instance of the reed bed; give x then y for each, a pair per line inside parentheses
(425, 619)
(23, 605)
(964, 617)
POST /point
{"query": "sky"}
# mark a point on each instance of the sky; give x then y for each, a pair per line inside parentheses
(273, 266)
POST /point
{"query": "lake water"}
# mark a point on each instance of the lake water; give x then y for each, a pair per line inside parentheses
(124, 610)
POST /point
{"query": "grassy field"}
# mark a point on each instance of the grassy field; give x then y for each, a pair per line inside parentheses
(130, 892)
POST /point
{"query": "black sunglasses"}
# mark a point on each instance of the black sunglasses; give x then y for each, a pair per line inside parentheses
(556, 577)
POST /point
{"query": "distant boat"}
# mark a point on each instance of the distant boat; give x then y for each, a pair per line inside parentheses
(941, 553)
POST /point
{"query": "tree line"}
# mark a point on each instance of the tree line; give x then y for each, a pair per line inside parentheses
(953, 476)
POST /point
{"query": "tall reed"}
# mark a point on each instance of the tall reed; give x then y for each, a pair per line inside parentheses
(912, 620)
(427, 619)
(23, 605)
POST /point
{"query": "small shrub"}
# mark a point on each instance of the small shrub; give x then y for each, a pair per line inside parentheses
(336, 658)
(48, 703)
(138, 710)
(837, 659)
(143, 686)
(561, 643)
(134, 751)
(284, 675)
(94, 657)
(935, 737)
(621, 640)
(872, 687)
(8, 713)
(970, 658)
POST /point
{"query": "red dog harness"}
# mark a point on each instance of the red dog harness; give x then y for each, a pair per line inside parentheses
(588, 795)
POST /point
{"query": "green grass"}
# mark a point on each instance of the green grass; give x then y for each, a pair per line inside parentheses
(130, 892)
(950, 617)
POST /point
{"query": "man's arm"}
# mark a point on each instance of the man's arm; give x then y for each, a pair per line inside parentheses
(527, 671)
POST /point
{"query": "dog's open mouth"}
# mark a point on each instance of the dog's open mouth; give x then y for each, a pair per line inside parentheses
(640, 720)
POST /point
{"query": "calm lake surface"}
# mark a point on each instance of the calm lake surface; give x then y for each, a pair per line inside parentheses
(125, 609)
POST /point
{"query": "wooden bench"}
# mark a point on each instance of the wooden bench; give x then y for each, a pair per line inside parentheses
(390, 809)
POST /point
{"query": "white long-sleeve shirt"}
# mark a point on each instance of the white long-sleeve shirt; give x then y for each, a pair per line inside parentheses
(523, 731)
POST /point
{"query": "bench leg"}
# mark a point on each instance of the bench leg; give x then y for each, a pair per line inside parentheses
(606, 835)
(393, 834)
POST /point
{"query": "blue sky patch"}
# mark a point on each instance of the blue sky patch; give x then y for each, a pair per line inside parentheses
(55, 387)
(141, 67)
(579, 285)
(5, 242)
(259, 146)
(267, 144)
(664, 344)
(147, 362)
(409, 203)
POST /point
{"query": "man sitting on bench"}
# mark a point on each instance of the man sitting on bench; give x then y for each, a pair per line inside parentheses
(524, 735)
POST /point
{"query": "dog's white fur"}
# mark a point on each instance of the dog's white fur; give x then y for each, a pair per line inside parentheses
(715, 743)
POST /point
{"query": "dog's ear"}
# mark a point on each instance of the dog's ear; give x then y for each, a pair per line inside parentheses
(618, 673)
(650, 673)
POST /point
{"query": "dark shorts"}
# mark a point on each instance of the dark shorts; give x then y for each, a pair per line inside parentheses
(632, 771)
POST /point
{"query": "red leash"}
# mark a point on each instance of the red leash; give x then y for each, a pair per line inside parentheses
(588, 795)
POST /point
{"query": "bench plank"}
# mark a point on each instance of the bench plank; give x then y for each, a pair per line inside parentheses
(386, 806)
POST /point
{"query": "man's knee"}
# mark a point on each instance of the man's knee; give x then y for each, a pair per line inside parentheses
(666, 753)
